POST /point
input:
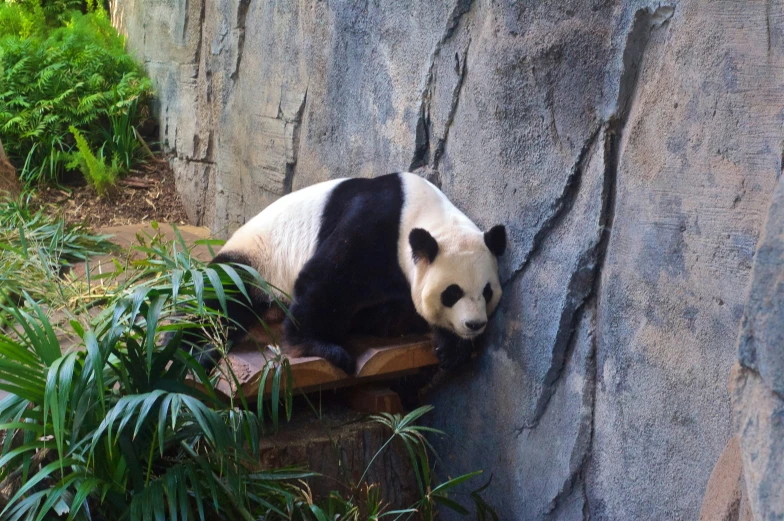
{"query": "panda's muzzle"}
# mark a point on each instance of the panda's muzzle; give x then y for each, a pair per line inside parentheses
(475, 325)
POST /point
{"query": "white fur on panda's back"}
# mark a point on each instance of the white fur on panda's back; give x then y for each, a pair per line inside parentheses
(283, 236)
(426, 207)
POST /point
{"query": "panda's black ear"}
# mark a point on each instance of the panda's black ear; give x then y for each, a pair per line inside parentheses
(495, 239)
(423, 245)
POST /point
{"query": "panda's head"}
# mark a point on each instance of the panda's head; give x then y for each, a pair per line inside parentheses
(455, 284)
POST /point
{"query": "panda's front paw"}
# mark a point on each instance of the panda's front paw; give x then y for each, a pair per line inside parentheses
(459, 355)
(451, 350)
(340, 358)
(332, 353)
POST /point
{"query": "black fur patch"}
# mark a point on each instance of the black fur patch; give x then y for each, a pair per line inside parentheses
(392, 319)
(487, 293)
(354, 270)
(451, 295)
(423, 245)
(495, 239)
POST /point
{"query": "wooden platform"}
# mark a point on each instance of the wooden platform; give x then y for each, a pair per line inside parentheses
(377, 359)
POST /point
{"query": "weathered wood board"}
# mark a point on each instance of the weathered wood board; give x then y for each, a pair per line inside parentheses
(377, 359)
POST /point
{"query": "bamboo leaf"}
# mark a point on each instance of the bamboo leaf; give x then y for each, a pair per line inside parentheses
(456, 481)
(452, 505)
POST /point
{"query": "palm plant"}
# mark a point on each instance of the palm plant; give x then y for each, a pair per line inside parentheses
(120, 427)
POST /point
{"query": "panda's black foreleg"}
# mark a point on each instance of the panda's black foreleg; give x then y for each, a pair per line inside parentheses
(332, 353)
(452, 351)
(317, 331)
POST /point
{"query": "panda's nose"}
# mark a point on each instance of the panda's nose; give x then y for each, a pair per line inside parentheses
(475, 326)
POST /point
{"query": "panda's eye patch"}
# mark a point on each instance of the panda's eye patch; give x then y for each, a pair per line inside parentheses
(451, 295)
(488, 293)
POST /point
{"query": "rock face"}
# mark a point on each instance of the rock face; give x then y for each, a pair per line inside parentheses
(631, 148)
(758, 380)
(726, 498)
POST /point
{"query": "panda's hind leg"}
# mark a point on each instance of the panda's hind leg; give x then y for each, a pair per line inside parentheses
(332, 353)
(316, 331)
(241, 313)
(240, 318)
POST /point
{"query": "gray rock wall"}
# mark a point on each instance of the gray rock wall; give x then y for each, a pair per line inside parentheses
(758, 379)
(631, 147)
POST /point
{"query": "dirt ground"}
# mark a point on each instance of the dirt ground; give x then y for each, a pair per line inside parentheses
(146, 194)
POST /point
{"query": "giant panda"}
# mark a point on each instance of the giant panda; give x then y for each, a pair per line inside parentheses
(386, 255)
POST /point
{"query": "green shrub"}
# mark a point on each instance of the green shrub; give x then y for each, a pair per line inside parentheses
(61, 68)
(121, 140)
(95, 170)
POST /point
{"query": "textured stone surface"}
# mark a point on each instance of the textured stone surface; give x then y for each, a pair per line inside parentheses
(631, 147)
(758, 379)
(725, 496)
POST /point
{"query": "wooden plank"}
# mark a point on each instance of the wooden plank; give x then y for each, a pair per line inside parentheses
(377, 359)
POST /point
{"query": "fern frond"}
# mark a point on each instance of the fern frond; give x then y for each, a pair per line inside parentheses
(58, 67)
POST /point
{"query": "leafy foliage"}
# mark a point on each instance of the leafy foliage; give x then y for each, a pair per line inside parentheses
(121, 141)
(35, 251)
(116, 426)
(59, 68)
(121, 426)
(94, 169)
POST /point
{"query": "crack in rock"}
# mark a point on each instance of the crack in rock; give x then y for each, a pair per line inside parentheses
(422, 135)
(592, 397)
(202, 16)
(185, 21)
(242, 14)
(296, 124)
(461, 7)
(560, 207)
(644, 22)
(579, 290)
(461, 68)
(580, 455)
(591, 265)
(422, 141)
